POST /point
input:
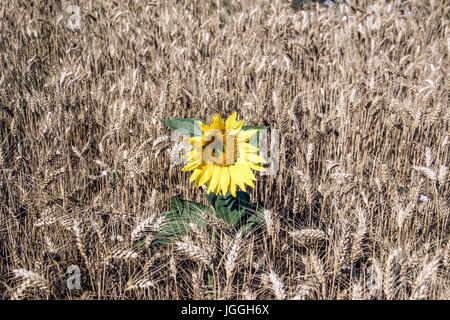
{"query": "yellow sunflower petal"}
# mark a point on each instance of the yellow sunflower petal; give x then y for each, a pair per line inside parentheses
(232, 132)
(205, 127)
(191, 166)
(197, 141)
(248, 174)
(254, 158)
(224, 179)
(229, 123)
(247, 147)
(256, 167)
(236, 177)
(206, 176)
(217, 122)
(197, 173)
(194, 155)
(238, 125)
(246, 135)
(233, 189)
(214, 179)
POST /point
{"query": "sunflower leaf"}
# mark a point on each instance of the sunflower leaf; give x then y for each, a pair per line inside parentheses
(141, 243)
(246, 128)
(232, 210)
(177, 220)
(176, 204)
(186, 127)
(254, 220)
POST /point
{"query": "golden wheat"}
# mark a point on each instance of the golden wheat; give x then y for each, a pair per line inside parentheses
(356, 192)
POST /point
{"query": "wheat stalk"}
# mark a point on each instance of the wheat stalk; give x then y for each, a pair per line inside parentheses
(308, 236)
(29, 279)
(232, 256)
(276, 285)
(194, 251)
(421, 287)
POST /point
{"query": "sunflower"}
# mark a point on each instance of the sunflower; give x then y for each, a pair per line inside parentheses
(222, 157)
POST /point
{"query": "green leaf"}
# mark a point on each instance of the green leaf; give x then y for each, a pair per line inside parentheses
(141, 243)
(176, 225)
(177, 220)
(211, 197)
(187, 127)
(254, 141)
(176, 204)
(237, 212)
(246, 128)
(254, 220)
(180, 204)
(232, 210)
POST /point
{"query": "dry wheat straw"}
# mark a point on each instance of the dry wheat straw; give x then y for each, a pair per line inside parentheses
(194, 251)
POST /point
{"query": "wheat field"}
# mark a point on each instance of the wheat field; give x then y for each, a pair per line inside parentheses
(357, 90)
